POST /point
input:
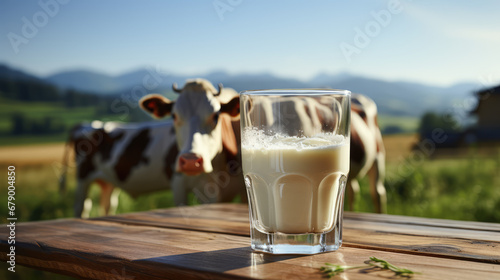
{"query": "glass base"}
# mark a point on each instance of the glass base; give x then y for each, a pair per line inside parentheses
(310, 243)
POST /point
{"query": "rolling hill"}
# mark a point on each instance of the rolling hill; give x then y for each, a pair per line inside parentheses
(400, 98)
(84, 80)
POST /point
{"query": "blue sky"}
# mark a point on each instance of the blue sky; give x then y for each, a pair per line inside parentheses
(437, 42)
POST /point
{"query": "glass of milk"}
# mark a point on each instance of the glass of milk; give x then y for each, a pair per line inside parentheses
(295, 155)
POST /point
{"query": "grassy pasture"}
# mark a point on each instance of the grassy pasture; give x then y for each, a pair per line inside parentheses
(38, 196)
(38, 110)
(407, 124)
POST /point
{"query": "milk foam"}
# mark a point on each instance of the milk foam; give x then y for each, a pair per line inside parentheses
(255, 139)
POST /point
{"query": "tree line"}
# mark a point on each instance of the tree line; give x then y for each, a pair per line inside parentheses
(33, 90)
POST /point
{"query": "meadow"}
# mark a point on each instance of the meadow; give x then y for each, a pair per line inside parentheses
(68, 117)
(400, 124)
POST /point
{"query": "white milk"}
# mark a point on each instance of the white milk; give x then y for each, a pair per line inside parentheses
(294, 181)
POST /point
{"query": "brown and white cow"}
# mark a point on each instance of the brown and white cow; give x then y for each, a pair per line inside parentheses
(206, 125)
(134, 157)
(196, 151)
(367, 152)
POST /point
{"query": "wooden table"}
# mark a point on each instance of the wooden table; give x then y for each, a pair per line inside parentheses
(212, 242)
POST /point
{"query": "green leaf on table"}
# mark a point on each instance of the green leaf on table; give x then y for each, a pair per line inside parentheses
(331, 270)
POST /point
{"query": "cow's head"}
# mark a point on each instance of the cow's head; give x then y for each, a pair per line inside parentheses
(202, 122)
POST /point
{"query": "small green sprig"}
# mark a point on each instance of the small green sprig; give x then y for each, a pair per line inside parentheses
(331, 270)
(376, 262)
(334, 269)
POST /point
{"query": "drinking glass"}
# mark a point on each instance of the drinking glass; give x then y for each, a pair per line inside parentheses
(295, 155)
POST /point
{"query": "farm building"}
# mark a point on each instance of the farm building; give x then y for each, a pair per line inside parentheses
(484, 133)
(487, 108)
(487, 127)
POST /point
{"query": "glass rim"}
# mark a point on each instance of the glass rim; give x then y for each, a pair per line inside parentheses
(297, 91)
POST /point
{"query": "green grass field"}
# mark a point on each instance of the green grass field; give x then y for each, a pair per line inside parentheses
(9, 140)
(407, 124)
(38, 196)
(38, 110)
(463, 189)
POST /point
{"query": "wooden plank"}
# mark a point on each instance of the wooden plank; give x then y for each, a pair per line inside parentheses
(412, 238)
(462, 249)
(397, 219)
(239, 213)
(218, 218)
(105, 250)
(421, 230)
(93, 250)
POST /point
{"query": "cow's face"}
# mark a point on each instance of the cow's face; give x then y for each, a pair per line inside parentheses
(200, 121)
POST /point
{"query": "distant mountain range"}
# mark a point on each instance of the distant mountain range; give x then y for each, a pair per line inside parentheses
(86, 81)
(393, 98)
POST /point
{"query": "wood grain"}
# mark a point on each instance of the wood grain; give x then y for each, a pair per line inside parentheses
(418, 236)
(108, 250)
(211, 241)
(397, 219)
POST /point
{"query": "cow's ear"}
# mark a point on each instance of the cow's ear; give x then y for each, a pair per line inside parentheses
(156, 105)
(232, 107)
